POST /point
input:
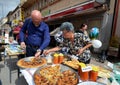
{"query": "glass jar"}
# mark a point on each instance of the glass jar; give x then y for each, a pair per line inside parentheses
(84, 76)
(93, 75)
(56, 59)
(61, 58)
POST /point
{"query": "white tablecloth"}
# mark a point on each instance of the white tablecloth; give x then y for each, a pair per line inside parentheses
(28, 75)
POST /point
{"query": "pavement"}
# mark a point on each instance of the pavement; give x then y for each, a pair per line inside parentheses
(9, 67)
(9, 73)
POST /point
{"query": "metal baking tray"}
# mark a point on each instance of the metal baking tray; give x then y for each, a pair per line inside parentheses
(62, 69)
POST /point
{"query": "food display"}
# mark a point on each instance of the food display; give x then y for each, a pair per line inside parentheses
(55, 75)
(104, 73)
(64, 72)
(72, 63)
(31, 62)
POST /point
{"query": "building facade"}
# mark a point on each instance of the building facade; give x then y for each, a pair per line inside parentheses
(95, 13)
(16, 16)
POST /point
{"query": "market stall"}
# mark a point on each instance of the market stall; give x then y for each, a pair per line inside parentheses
(65, 71)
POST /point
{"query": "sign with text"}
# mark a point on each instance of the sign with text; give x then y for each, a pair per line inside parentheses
(87, 68)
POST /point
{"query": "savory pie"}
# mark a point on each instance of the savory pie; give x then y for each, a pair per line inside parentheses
(72, 63)
(32, 63)
(104, 73)
(52, 75)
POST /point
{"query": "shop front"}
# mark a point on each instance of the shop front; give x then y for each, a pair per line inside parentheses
(93, 13)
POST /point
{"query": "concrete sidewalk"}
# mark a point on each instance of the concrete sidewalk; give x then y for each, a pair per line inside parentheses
(10, 68)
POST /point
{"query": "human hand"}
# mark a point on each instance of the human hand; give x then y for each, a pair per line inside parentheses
(22, 44)
(37, 54)
(45, 52)
(80, 51)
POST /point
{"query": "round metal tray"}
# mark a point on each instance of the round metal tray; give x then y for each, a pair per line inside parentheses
(28, 59)
(62, 69)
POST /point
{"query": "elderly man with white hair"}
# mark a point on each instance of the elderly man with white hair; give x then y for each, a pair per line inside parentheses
(38, 36)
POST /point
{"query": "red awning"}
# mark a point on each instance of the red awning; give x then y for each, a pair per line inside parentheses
(72, 10)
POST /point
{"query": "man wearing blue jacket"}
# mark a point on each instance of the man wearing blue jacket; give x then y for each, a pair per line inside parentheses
(38, 36)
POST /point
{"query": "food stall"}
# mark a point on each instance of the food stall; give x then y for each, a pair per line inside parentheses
(59, 69)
